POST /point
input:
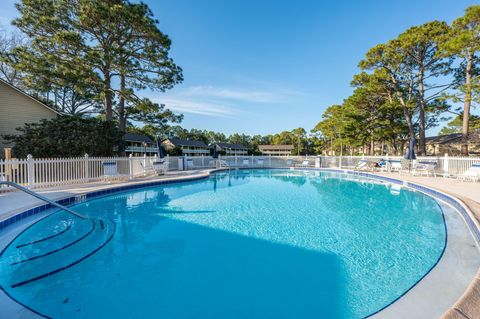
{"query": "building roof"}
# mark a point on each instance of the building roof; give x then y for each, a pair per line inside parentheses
(275, 147)
(232, 146)
(29, 96)
(443, 139)
(135, 137)
(180, 142)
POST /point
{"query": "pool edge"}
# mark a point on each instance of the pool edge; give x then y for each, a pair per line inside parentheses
(460, 309)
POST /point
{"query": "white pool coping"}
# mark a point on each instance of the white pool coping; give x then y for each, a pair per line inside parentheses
(435, 294)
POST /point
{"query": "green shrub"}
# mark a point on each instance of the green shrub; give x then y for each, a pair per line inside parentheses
(67, 136)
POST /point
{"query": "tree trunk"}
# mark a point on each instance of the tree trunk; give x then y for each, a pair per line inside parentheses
(422, 149)
(122, 119)
(466, 106)
(107, 92)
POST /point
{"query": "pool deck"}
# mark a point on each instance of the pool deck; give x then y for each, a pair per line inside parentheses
(467, 307)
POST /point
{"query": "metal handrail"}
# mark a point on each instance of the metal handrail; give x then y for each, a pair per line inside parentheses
(46, 199)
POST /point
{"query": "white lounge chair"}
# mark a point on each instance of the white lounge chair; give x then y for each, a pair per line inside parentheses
(364, 165)
(472, 174)
(160, 166)
(260, 162)
(246, 162)
(305, 163)
(424, 168)
(394, 165)
(221, 164)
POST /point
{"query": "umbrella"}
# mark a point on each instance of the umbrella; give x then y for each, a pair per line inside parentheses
(160, 149)
(411, 150)
(214, 152)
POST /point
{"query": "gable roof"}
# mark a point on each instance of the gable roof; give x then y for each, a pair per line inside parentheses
(29, 96)
(180, 142)
(442, 139)
(135, 137)
(229, 145)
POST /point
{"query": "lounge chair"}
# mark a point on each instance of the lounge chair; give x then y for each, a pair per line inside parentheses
(364, 165)
(260, 162)
(305, 163)
(160, 166)
(426, 168)
(472, 174)
(222, 163)
(246, 162)
(289, 162)
(393, 165)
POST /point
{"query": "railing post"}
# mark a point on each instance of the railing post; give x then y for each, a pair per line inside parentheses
(236, 164)
(130, 166)
(445, 165)
(144, 164)
(86, 174)
(340, 161)
(30, 170)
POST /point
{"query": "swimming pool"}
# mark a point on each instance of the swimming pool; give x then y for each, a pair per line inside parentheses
(240, 244)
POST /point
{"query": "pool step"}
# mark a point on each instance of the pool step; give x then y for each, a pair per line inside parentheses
(24, 264)
(76, 230)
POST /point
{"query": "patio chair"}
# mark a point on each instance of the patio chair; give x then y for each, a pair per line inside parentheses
(289, 162)
(472, 174)
(110, 169)
(260, 162)
(394, 165)
(246, 162)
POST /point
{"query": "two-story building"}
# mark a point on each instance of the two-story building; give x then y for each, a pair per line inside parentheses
(139, 144)
(230, 149)
(276, 150)
(187, 147)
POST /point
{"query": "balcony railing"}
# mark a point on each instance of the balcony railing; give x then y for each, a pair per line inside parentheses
(197, 151)
(141, 149)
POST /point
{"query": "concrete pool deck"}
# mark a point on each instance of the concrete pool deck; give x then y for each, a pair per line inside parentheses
(468, 306)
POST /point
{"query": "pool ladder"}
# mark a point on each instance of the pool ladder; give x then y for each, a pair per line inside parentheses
(41, 197)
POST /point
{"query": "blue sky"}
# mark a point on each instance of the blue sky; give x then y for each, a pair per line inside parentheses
(265, 66)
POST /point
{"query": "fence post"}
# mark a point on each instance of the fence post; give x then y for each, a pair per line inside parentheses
(144, 164)
(86, 174)
(130, 166)
(445, 165)
(30, 170)
(203, 161)
(340, 161)
(236, 160)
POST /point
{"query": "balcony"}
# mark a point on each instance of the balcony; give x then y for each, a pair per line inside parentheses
(196, 151)
(140, 149)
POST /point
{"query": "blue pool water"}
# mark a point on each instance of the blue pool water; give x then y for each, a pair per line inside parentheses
(241, 244)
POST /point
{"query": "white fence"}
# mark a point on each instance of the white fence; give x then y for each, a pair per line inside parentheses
(36, 173)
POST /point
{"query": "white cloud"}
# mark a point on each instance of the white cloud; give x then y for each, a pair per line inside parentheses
(233, 94)
(184, 105)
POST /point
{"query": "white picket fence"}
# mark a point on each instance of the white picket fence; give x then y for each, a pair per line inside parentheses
(46, 172)
(37, 173)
